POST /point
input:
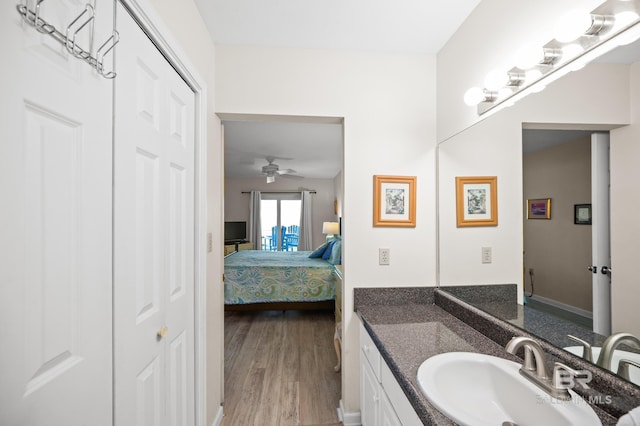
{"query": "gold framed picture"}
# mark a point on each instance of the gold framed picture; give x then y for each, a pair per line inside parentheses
(477, 201)
(539, 208)
(394, 201)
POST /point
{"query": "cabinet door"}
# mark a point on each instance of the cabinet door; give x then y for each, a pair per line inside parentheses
(387, 415)
(369, 394)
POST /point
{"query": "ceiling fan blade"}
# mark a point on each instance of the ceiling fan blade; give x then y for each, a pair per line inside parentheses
(286, 172)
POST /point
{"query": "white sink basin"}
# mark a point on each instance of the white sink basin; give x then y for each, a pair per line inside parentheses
(477, 389)
(634, 373)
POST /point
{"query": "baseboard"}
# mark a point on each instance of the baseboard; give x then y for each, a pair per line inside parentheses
(218, 420)
(348, 419)
(577, 311)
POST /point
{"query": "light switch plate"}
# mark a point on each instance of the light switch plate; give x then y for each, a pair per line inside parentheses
(383, 256)
(486, 255)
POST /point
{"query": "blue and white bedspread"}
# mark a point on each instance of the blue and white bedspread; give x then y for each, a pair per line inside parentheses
(256, 276)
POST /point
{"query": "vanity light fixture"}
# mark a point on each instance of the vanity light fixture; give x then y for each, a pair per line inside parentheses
(476, 95)
(577, 23)
(580, 37)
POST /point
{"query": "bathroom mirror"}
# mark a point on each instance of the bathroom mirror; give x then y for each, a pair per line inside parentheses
(595, 99)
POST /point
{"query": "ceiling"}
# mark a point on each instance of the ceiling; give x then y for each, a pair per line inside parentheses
(315, 150)
(393, 26)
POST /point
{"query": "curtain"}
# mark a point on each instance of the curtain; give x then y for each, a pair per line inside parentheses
(305, 242)
(255, 227)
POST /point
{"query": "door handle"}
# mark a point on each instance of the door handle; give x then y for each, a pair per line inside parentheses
(605, 270)
(593, 269)
(162, 332)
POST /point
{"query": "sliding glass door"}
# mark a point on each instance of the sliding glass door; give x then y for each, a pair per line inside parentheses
(280, 219)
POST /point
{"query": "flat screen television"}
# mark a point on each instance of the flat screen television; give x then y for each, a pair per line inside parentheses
(235, 232)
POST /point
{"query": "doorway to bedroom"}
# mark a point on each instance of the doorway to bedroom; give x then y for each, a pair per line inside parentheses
(280, 359)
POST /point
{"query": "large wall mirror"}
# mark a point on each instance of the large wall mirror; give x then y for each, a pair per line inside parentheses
(571, 255)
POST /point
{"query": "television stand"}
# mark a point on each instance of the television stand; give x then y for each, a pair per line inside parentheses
(231, 246)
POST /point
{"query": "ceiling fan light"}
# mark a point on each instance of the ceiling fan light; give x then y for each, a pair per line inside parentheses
(271, 178)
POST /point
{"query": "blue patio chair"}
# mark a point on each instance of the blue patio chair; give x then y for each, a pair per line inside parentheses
(292, 242)
(274, 238)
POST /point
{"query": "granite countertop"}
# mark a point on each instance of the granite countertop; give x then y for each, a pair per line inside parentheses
(407, 333)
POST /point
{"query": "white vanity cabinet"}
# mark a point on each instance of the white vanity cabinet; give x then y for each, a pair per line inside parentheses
(382, 402)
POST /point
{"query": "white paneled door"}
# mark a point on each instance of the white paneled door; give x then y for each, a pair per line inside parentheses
(55, 220)
(153, 236)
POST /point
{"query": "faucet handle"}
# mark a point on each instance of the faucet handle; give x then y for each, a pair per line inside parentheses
(623, 368)
(587, 353)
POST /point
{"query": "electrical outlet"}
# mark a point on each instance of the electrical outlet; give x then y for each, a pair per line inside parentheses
(209, 242)
(383, 256)
(486, 255)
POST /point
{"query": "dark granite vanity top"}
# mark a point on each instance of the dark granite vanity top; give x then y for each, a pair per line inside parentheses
(408, 327)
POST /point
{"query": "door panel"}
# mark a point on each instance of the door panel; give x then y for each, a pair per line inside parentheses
(601, 241)
(55, 251)
(154, 236)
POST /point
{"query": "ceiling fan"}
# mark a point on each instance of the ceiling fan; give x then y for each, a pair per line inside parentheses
(272, 170)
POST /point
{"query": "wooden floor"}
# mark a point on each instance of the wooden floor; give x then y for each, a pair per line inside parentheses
(279, 369)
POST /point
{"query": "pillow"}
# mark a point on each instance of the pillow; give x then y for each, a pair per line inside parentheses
(327, 251)
(336, 253)
(320, 250)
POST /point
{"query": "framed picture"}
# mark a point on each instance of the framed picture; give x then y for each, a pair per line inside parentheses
(582, 214)
(539, 208)
(394, 201)
(477, 201)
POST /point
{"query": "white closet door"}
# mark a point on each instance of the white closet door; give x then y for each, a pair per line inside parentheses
(154, 236)
(55, 222)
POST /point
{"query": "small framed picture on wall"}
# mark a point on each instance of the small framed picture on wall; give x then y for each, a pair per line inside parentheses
(582, 214)
(477, 201)
(539, 208)
(394, 201)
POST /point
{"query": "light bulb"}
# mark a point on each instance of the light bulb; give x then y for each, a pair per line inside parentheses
(624, 19)
(532, 75)
(528, 56)
(572, 25)
(504, 93)
(474, 96)
(537, 88)
(570, 51)
(496, 79)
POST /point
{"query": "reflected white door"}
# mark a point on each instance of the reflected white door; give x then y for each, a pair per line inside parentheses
(55, 219)
(601, 242)
(153, 236)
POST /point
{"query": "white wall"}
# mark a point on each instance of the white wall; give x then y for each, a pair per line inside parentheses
(625, 226)
(388, 105)
(187, 28)
(236, 204)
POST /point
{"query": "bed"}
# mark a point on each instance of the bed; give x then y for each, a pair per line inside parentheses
(257, 279)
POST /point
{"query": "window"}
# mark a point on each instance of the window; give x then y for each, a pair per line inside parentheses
(280, 219)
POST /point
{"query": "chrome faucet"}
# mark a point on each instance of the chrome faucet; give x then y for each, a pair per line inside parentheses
(535, 368)
(611, 343)
(587, 352)
(623, 368)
